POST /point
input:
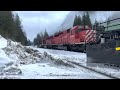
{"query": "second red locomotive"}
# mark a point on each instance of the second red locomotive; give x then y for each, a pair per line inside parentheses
(74, 39)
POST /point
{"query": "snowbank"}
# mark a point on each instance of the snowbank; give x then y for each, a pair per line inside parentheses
(65, 55)
(3, 42)
(4, 59)
(78, 58)
(22, 54)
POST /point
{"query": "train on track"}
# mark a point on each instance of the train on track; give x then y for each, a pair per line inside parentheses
(101, 44)
(73, 39)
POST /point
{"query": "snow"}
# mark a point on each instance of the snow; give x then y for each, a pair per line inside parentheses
(78, 58)
(3, 58)
(110, 71)
(28, 62)
(45, 71)
(3, 42)
(66, 55)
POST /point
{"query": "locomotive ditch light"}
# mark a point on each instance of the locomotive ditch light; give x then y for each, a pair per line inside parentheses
(117, 48)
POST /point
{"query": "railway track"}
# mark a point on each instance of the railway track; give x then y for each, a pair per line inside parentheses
(92, 70)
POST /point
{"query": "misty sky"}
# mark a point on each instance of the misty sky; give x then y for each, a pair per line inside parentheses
(34, 22)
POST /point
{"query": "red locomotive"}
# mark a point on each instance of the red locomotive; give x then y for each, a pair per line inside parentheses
(74, 39)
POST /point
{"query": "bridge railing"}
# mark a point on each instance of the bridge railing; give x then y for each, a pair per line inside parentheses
(109, 25)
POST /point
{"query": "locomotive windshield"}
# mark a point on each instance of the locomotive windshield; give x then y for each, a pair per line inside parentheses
(81, 28)
(78, 30)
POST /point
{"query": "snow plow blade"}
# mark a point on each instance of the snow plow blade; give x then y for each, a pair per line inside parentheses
(108, 52)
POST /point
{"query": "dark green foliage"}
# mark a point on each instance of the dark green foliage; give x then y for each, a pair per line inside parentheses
(99, 28)
(10, 27)
(35, 41)
(39, 38)
(46, 34)
(29, 43)
(85, 20)
(7, 26)
(20, 34)
(95, 25)
(77, 21)
(88, 21)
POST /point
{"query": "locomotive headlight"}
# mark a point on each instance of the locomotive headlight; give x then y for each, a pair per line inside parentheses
(117, 48)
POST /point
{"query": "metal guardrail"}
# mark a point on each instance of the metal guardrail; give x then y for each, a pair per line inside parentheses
(109, 22)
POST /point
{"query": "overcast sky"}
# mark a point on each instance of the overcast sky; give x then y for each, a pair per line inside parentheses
(34, 22)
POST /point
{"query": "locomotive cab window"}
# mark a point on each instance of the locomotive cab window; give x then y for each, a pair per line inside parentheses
(79, 30)
(68, 30)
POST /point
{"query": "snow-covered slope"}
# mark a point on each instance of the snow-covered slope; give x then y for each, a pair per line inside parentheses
(3, 42)
(3, 57)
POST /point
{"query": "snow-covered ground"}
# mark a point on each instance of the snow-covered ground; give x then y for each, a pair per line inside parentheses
(61, 54)
(79, 58)
(17, 61)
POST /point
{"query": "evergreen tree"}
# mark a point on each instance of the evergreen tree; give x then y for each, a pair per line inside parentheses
(20, 35)
(95, 25)
(98, 27)
(41, 34)
(18, 29)
(7, 27)
(42, 37)
(79, 21)
(35, 41)
(29, 43)
(24, 38)
(10, 27)
(84, 19)
(75, 21)
(45, 34)
(88, 21)
(38, 39)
